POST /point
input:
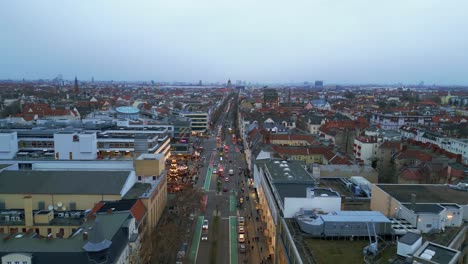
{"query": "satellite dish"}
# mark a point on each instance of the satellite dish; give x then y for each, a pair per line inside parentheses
(59, 204)
(55, 207)
(64, 208)
(50, 207)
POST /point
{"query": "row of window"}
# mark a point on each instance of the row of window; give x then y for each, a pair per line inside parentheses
(116, 145)
(35, 144)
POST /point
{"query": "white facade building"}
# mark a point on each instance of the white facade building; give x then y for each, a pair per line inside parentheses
(8, 145)
(365, 148)
(73, 145)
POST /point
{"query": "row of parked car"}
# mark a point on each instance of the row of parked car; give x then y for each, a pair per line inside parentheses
(242, 235)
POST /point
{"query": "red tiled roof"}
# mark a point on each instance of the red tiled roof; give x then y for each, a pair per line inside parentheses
(413, 174)
(138, 210)
(391, 145)
(416, 154)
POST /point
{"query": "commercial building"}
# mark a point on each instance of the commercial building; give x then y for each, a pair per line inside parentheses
(283, 188)
(199, 119)
(8, 145)
(58, 199)
(105, 238)
(429, 207)
(84, 145)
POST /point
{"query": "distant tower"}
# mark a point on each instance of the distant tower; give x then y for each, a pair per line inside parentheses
(200, 83)
(229, 84)
(318, 84)
(76, 89)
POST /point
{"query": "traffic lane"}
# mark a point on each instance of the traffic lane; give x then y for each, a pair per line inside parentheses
(205, 246)
(216, 204)
(222, 255)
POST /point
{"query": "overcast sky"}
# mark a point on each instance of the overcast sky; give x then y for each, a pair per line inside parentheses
(343, 41)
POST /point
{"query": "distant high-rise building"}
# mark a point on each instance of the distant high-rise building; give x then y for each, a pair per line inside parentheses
(229, 84)
(319, 84)
(76, 89)
(200, 83)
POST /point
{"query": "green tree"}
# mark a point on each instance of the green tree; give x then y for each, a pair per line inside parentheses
(11, 109)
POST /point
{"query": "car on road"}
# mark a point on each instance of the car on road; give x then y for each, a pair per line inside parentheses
(241, 220)
(242, 248)
(225, 189)
(241, 238)
(204, 235)
(205, 224)
(226, 179)
(241, 229)
(215, 171)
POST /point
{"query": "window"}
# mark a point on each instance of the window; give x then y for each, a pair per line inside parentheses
(428, 226)
(25, 262)
(49, 230)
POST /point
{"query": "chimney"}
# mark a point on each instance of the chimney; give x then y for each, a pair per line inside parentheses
(28, 212)
(85, 236)
(413, 201)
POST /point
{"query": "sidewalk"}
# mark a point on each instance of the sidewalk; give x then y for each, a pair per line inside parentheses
(259, 252)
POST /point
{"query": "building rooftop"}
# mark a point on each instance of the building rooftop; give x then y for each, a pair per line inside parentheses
(437, 253)
(424, 208)
(425, 193)
(356, 216)
(109, 223)
(288, 171)
(62, 182)
(137, 190)
(409, 238)
(301, 190)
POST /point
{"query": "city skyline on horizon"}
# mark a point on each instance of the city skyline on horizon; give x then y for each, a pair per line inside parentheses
(357, 42)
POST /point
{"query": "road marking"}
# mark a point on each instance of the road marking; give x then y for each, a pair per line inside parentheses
(208, 178)
(233, 240)
(196, 240)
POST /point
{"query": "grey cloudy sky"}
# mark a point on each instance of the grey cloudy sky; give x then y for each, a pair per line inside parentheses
(346, 41)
